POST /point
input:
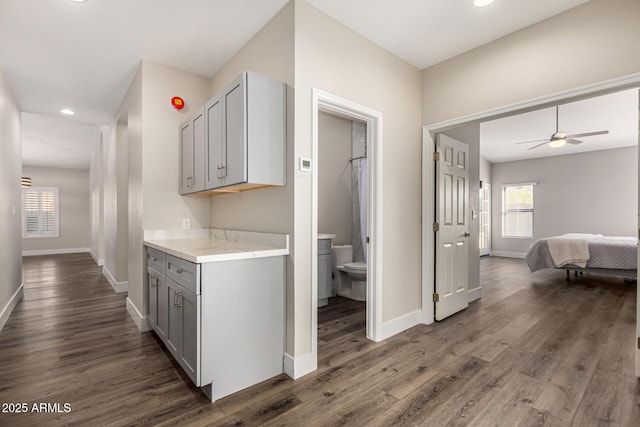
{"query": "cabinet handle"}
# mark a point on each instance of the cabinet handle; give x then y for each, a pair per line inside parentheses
(154, 259)
(151, 281)
(224, 171)
(179, 303)
(179, 270)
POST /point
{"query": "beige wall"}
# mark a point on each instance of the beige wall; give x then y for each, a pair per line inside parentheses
(333, 58)
(335, 195)
(74, 206)
(594, 192)
(591, 43)
(96, 193)
(10, 199)
(270, 53)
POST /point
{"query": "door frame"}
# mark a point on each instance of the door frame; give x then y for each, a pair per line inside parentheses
(327, 102)
(428, 169)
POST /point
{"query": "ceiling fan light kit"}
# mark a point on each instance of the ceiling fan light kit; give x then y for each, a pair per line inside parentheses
(560, 139)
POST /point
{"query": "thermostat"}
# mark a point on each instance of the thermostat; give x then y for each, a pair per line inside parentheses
(304, 164)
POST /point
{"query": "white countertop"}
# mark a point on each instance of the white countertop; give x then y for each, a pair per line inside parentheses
(322, 236)
(218, 245)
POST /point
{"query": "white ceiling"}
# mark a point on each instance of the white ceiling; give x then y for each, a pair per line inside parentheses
(615, 112)
(59, 54)
(426, 32)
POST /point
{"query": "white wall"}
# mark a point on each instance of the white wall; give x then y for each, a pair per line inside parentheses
(10, 202)
(594, 192)
(74, 205)
(485, 169)
(335, 194)
(331, 57)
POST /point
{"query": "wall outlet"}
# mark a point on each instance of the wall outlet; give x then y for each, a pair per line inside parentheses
(186, 224)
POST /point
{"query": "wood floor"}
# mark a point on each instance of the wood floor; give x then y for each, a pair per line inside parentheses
(535, 350)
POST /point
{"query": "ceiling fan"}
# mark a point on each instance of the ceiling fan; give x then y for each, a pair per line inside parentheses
(559, 139)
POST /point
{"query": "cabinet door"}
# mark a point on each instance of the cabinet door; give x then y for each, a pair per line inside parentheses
(187, 304)
(324, 276)
(198, 181)
(161, 304)
(235, 132)
(152, 282)
(174, 318)
(214, 140)
(186, 157)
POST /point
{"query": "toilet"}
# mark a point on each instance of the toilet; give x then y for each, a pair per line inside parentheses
(351, 276)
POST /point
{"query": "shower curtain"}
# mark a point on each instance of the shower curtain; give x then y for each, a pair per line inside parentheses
(362, 195)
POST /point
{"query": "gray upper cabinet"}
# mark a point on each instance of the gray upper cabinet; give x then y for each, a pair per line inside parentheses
(245, 135)
(192, 154)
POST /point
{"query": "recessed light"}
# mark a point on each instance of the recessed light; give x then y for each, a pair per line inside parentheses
(79, 1)
(67, 111)
(481, 3)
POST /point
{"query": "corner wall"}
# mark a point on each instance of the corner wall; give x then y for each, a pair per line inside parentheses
(10, 202)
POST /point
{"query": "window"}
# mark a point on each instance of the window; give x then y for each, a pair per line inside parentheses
(40, 212)
(517, 210)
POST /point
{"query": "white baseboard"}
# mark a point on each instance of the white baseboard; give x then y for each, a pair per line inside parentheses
(475, 294)
(37, 252)
(98, 261)
(402, 323)
(507, 254)
(138, 318)
(297, 367)
(8, 309)
(118, 287)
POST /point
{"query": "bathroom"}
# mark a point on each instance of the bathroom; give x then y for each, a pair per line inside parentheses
(342, 204)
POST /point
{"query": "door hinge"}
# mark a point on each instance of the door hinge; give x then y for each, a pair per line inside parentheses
(436, 226)
(436, 297)
(436, 156)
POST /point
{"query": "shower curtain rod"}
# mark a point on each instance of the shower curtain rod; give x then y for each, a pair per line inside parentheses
(357, 158)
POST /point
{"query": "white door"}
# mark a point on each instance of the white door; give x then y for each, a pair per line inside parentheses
(484, 238)
(452, 249)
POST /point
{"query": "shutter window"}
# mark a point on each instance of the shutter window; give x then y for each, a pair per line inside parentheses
(40, 212)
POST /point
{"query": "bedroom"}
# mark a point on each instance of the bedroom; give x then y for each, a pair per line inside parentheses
(586, 186)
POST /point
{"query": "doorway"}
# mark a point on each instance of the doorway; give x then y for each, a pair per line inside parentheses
(332, 104)
(429, 190)
(484, 216)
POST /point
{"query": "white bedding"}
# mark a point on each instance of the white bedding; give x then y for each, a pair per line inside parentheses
(571, 248)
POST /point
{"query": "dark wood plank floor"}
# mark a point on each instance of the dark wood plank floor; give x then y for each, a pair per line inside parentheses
(535, 350)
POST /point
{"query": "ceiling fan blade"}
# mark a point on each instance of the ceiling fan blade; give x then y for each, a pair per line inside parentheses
(539, 145)
(573, 141)
(530, 142)
(582, 135)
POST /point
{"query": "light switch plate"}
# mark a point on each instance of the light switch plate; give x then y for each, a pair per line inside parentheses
(186, 224)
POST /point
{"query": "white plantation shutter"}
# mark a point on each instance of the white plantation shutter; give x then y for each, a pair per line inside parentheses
(517, 210)
(40, 208)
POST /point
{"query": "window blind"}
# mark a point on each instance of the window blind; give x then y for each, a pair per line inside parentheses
(517, 210)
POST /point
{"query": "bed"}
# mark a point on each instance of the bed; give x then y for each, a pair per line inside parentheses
(593, 253)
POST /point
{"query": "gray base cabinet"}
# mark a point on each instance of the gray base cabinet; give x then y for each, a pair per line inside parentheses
(324, 271)
(222, 321)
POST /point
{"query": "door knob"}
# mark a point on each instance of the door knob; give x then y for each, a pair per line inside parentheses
(467, 234)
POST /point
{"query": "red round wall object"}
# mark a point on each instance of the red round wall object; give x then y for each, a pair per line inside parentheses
(177, 102)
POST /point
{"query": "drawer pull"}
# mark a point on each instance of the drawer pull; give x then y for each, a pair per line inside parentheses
(179, 271)
(154, 259)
